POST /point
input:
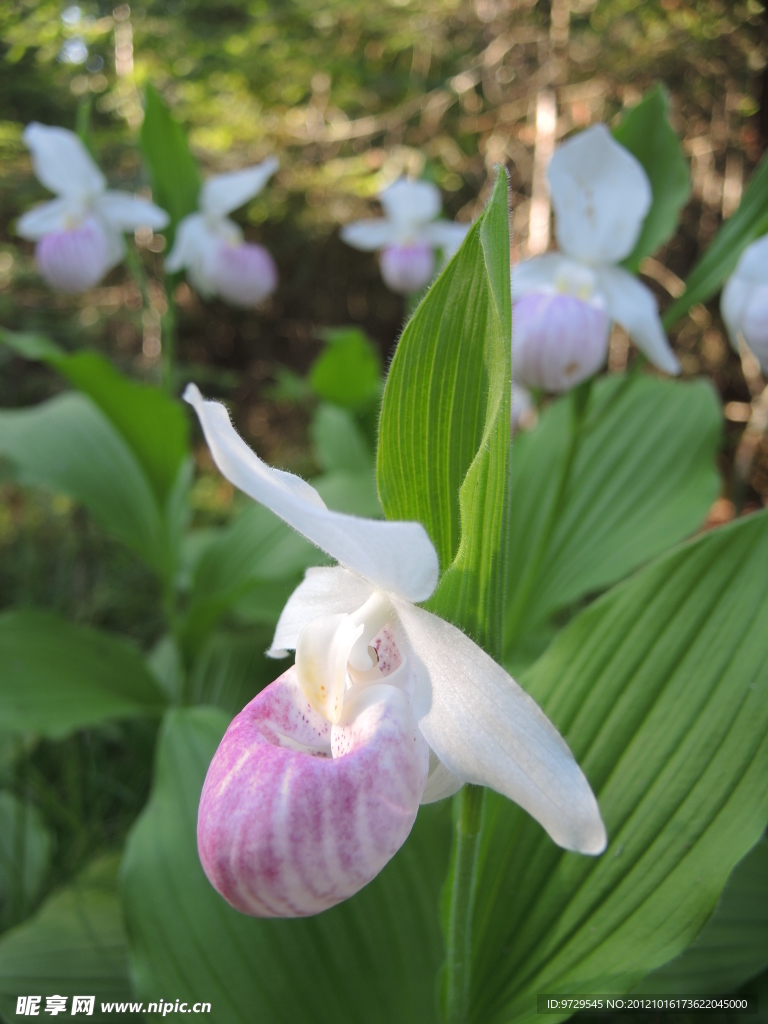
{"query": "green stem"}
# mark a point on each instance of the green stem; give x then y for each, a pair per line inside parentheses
(579, 403)
(459, 940)
(168, 338)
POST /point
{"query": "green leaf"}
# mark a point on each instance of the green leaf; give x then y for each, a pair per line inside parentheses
(172, 168)
(733, 946)
(719, 261)
(25, 851)
(661, 690)
(74, 945)
(647, 134)
(444, 430)
(66, 444)
(154, 426)
(231, 668)
(373, 958)
(351, 492)
(339, 442)
(56, 677)
(348, 372)
(644, 478)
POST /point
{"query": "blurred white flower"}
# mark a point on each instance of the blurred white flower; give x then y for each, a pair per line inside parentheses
(523, 413)
(601, 196)
(408, 235)
(79, 234)
(210, 246)
(744, 302)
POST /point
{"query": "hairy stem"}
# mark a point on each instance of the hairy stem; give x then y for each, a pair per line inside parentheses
(459, 939)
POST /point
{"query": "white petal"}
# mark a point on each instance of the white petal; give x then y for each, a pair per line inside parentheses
(444, 234)
(733, 302)
(411, 202)
(61, 161)
(600, 194)
(126, 212)
(441, 782)
(392, 556)
(752, 267)
(116, 244)
(632, 305)
(369, 235)
(538, 274)
(224, 193)
(192, 241)
(322, 592)
(487, 730)
(45, 218)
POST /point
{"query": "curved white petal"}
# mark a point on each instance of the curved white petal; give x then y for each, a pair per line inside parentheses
(600, 194)
(224, 193)
(45, 218)
(411, 202)
(370, 235)
(115, 245)
(487, 730)
(733, 302)
(752, 267)
(126, 212)
(538, 274)
(61, 161)
(392, 556)
(192, 241)
(323, 591)
(441, 782)
(631, 304)
(444, 234)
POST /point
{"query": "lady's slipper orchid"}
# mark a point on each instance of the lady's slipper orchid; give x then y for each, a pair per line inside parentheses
(210, 246)
(744, 302)
(79, 234)
(601, 196)
(317, 782)
(408, 235)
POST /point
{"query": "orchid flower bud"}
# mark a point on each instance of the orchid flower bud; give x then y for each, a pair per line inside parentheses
(407, 269)
(76, 259)
(744, 302)
(557, 340)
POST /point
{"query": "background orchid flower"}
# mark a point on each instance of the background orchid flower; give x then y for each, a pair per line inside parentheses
(744, 302)
(79, 234)
(408, 235)
(210, 246)
(565, 301)
(318, 780)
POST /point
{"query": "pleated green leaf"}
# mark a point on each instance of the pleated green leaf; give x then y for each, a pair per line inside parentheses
(647, 134)
(444, 429)
(175, 178)
(643, 479)
(373, 958)
(68, 445)
(25, 851)
(661, 690)
(154, 426)
(733, 946)
(231, 668)
(56, 677)
(74, 945)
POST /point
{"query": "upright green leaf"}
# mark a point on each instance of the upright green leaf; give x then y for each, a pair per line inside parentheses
(68, 445)
(719, 261)
(25, 851)
(373, 958)
(444, 430)
(643, 479)
(348, 372)
(231, 668)
(154, 426)
(172, 168)
(339, 442)
(74, 945)
(733, 946)
(648, 135)
(661, 690)
(56, 677)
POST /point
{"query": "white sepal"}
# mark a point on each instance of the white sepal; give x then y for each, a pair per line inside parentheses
(45, 218)
(600, 194)
(61, 162)
(193, 239)
(126, 212)
(223, 193)
(441, 782)
(631, 304)
(370, 235)
(488, 731)
(540, 273)
(392, 556)
(444, 234)
(323, 591)
(411, 202)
